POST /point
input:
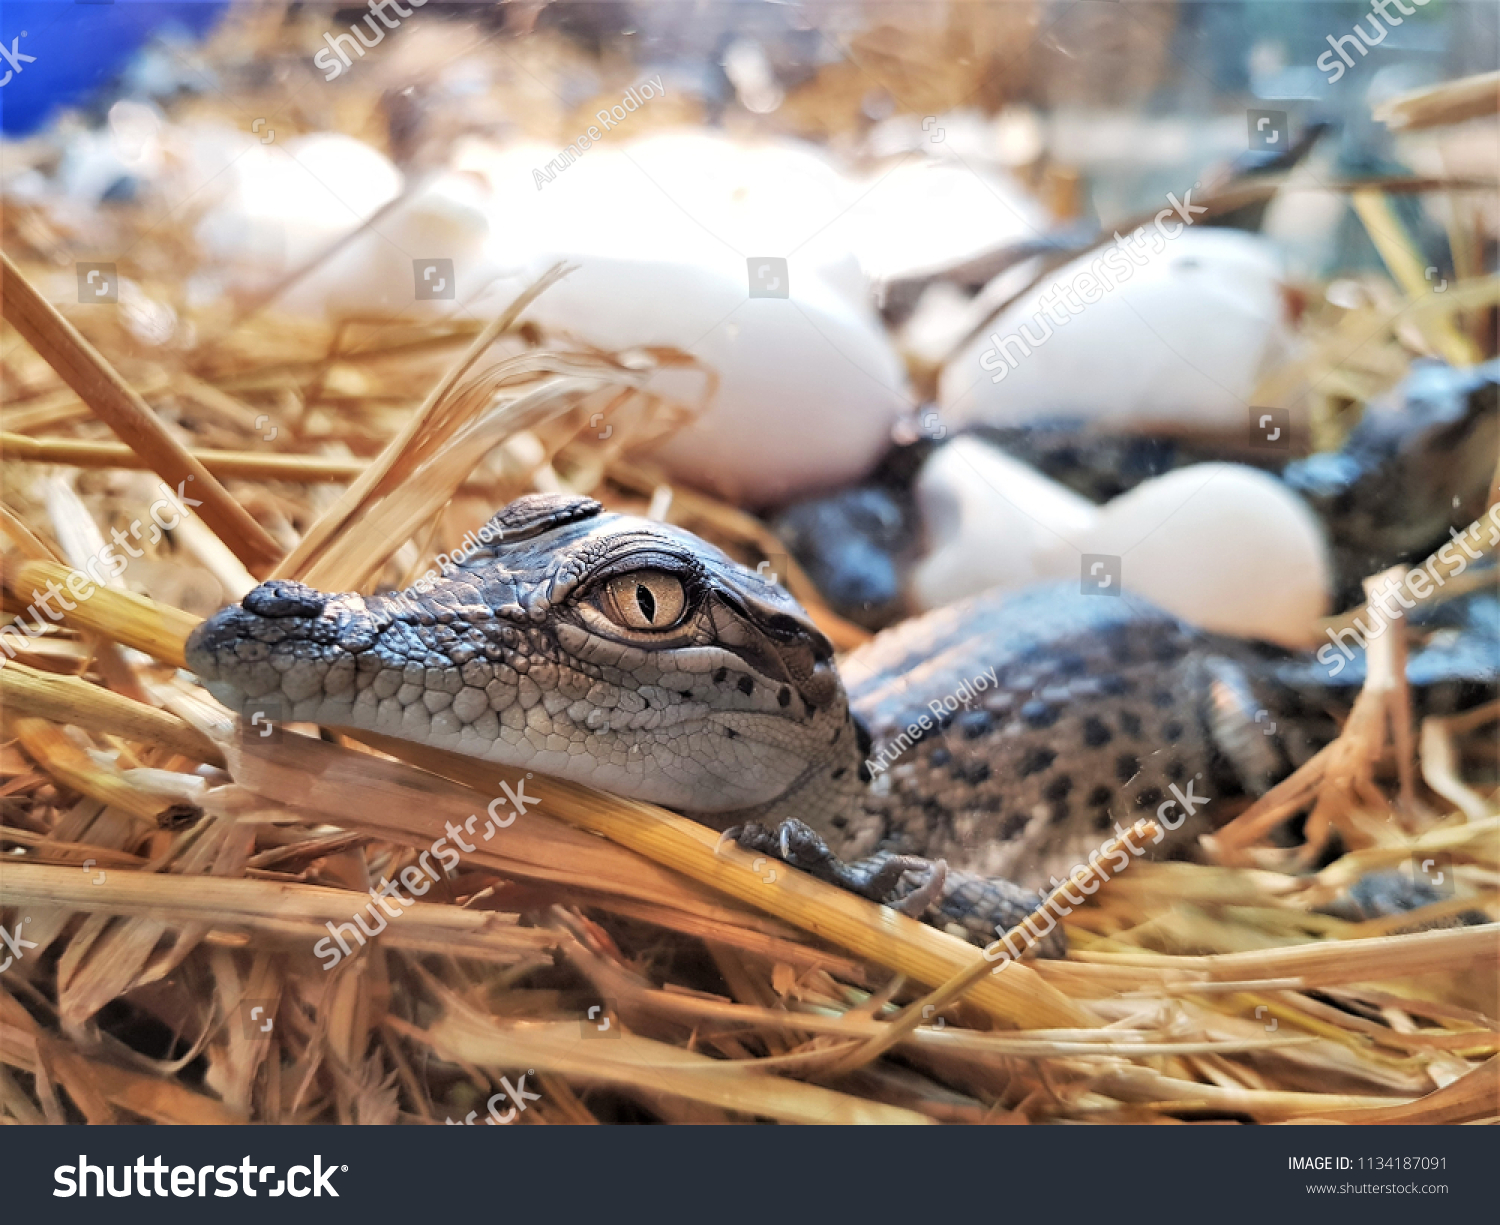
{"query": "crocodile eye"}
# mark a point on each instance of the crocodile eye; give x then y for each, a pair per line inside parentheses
(644, 600)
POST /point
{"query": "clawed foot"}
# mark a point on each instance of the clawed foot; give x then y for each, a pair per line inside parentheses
(907, 883)
(983, 908)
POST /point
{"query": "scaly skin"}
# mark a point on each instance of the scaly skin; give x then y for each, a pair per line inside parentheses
(733, 711)
(506, 659)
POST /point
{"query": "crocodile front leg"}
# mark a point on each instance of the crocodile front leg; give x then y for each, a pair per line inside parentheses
(981, 908)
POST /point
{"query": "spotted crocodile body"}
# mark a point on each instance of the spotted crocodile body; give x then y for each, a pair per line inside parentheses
(632, 656)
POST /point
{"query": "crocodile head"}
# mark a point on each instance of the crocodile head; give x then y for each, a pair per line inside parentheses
(598, 647)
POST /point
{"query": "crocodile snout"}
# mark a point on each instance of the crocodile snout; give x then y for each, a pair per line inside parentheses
(285, 598)
(279, 639)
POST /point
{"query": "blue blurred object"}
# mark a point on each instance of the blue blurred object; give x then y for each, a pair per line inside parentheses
(59, 53)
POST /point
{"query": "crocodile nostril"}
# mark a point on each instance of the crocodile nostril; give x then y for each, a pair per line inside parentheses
(284, 598)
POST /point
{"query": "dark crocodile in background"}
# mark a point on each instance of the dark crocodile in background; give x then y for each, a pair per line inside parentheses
(1418, 462)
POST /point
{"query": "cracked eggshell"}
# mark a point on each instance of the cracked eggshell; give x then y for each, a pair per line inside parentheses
(661, 232)
(1184, 338)
(1223, 546)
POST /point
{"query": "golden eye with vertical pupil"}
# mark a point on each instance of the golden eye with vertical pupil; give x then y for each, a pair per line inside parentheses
(644, 600)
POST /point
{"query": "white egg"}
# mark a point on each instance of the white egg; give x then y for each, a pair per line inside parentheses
(1222, 546)
(423, 259)
(725, 252)
(915, 217)
(992, 521)
(297, 204)
(289, 201)
(1180, 336)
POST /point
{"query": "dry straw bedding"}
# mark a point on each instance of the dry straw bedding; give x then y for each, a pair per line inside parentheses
(215, 861)
(169, 873)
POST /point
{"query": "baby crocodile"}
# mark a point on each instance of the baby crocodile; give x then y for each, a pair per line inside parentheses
(1006, 736)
